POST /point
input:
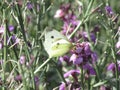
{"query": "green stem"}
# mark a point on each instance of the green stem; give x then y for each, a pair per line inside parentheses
(61, 75)
(97, 71)
(114, 55)
(22, 29)
(117, 76)
(117, 71)
(31, 69)
(75, 30)
(60, 72)
(33, 76)
(21, 22)
(5, 48)
(89, 7)
(88, 83)
(84, 19)
(23, 77)
(89, 38)
(24, 37)
(38, 25)
(38, 69)
(14, 49)
(82, 78)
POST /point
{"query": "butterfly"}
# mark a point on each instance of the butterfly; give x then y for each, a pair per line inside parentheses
(56, 44)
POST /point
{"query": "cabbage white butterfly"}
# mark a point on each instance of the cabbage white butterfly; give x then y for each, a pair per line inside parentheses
(56, 44)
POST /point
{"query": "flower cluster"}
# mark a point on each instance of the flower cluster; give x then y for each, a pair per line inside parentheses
(90, 27)
(70, 22)
(68, 17)
(14, 38)
(81, 55)
(72, 85)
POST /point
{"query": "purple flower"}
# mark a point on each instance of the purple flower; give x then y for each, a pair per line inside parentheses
(1, 45)
(118, 44)
(38, 7)
(71, 86)
(65, 7)
(109, 10)
(76, 59)
(71, 72)
(2, 28)
(22, 59)
(61, 59)
(79, 50)
(65, 27)
(15, 39)
(104, 88)
(11, 28)
(62, 86)
(1, 62)
(18, 78)
(29, 5)
(59, 13)
(118, 61)
(32, 58)
(70, 18)
(96, 29)
(85, 36)
(20, 2)
(65, 58)
(36, 79)
(118, 52)
(90, 69)
(112, 66)
(94, 57)
(93, 37)
(37, 82)
(87, 49)
(73, 57)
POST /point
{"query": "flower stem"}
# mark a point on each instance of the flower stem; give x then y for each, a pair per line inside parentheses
(23, 78)
(38, 69)
(60, 72)
(21, 22)
(82, 78)
(84, 19)
(33, 76)
(117, 71)
(5, 48)
(14, 48)
(20, 19)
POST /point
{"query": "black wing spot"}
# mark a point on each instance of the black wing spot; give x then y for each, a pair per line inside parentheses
(52, 37)
(58, 43)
